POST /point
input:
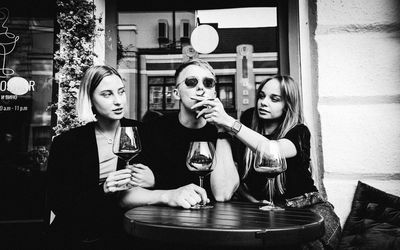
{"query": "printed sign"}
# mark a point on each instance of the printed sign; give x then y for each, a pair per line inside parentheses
(10, 86)
(7, 42)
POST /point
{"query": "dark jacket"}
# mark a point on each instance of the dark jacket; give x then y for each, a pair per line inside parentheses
(84, 213)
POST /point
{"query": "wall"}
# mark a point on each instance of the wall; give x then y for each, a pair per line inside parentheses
(147, 25)
(356, 52)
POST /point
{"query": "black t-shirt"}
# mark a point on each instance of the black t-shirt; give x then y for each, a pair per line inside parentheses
(167, 143)
(298, 176)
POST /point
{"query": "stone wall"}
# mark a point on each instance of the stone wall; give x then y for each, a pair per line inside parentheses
(357, 48)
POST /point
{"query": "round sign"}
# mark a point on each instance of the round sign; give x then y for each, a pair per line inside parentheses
(204, 39)
(18, 85)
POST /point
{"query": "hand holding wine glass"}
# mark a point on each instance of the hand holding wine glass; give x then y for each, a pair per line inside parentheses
(269, 162)
(142, 176)
(200, 159)
(126, 146)
(117, 181)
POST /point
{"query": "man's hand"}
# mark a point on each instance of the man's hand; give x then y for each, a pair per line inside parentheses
(186, 196)
(142, 176)
(118, 181)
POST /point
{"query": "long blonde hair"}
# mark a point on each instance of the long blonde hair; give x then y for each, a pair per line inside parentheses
(292, 116)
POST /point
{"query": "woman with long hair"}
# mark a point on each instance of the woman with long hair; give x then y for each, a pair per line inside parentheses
(277, 118)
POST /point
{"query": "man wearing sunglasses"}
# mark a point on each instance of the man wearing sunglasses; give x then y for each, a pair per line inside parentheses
(166, 144)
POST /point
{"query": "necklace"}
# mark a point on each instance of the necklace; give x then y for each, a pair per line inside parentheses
(109, 140)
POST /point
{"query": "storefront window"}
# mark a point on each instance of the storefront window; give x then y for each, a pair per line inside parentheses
(26, 80)
(225, 91)
(248, 46)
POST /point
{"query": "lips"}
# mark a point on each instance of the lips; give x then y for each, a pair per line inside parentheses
(118, 110)
(263, 111)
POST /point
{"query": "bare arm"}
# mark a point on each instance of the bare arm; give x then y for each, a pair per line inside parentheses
(217, 115)
(185, 197)
(251, 139)
(224, 178)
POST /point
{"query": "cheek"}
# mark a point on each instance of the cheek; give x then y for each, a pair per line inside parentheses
(99, 105)
(124, 99)
(280, 109)
(184, 93)
(211, 93)
(95, 104)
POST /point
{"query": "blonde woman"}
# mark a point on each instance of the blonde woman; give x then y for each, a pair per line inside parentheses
(84, 176)
(277, 117)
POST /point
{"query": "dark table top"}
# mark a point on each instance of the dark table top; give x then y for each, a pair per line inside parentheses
(226, 224)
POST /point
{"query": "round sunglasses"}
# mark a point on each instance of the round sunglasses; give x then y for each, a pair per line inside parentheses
(192, 82)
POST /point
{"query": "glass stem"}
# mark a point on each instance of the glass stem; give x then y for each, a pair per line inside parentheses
(127, 166)
(201, 181)
(271, 189)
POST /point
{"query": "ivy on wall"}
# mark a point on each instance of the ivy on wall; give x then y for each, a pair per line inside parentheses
(77, 24)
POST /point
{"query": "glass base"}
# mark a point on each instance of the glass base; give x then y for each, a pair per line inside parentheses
(199, 206)
(271, 208)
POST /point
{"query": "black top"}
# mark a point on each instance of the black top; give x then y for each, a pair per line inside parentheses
(82, 209)
(167, 143)
(298, 176)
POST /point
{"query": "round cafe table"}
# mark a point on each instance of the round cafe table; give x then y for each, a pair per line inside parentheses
(230, 224)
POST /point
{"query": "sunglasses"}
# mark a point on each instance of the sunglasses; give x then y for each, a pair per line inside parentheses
(192, 82)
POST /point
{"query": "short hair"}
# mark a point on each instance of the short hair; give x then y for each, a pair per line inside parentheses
(198, 62)
(90, 80)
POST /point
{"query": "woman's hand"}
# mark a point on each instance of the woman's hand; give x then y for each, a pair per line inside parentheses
(142, 176)
(118, 180)
(214, 113)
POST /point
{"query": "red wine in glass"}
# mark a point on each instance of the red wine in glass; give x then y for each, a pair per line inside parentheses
(127, 144)
(200, 159)
(269, 163)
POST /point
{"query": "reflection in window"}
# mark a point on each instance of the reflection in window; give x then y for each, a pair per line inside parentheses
(156, 97)
(25, 127)
(160, 93)
(225, 91)
(235, 67)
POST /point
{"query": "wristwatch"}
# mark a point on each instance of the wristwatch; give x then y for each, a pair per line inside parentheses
(236, 127)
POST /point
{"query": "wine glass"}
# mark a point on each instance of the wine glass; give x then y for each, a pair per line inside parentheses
(127, 145)
(269, 162)
(200, 159)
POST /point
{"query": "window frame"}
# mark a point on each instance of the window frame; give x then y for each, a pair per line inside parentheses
(164, 86)
(232, 85)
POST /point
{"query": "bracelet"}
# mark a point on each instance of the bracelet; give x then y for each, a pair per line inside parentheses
(224, 135)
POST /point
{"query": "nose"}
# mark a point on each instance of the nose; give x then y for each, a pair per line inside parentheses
(200, 86)
(264, 102)
(200, 89)
(117, 100)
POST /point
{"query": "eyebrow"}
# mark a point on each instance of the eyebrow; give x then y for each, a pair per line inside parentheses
(105, 90)
(109, 90)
